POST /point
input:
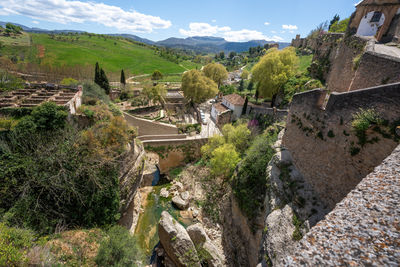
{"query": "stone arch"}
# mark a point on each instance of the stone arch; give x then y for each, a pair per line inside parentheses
(371, 23)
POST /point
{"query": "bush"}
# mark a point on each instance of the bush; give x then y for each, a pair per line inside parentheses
(224, 160)
(14, 244)
(362, 121)
(48, 116)
(69, 82)
(93, 90)
(119, 249)
(250, 183)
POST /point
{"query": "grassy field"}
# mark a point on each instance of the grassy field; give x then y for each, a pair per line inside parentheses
(112, 54)
(63, 53)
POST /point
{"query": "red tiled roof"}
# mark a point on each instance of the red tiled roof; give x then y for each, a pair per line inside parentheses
(235, 99)
(220, 108)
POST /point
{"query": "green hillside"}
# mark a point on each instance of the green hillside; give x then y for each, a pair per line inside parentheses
(84, 50)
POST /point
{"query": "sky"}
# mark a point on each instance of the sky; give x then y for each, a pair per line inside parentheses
(234, 20)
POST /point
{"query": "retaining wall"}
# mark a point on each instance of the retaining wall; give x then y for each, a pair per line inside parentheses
(146, 127)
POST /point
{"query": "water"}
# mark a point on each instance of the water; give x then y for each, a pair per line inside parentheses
(147, 227)
(156, 178)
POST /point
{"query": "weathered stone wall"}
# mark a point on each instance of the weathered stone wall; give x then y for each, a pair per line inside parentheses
(323, 144)
(175, 153)
(376, 69)
(146, 127)
(363, 229)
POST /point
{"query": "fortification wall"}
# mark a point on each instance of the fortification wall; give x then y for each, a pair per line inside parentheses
(376, 69)
(146, 127)
(175, 153)
(324, 145)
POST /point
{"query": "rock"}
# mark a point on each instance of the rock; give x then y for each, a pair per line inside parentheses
(185, 195)
(398, 130)
(202, 242)
(176, 242)
(180, 203)
(164, 193)
(177, 186)
(195, 213)
(197, 233)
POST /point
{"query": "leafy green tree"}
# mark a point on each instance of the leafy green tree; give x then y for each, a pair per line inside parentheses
(232, 55)
(156, 93)
(212, 144)
(69, 82)
(216, 72)
(119, 248)
(197, 87)
(224, 160)
(123, 80)
(335, 19)
(340, 26)
(48, 116)
(222, 55)
(157, 75)
(245, 74)
(273, 70)
(11, 28)
(239, 136)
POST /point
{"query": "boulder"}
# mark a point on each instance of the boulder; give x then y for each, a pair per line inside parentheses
(176, 242)
(205, 248)
(185, 195)
(164, 193)
(180, 203)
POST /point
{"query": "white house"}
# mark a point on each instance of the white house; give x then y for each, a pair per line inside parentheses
(233, 103)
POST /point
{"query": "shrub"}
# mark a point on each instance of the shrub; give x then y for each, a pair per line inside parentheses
(157, 75)
(69, 82)
(224, 160)
(93, 90)
(238, 135)
(250, 183)
(362, 121)
(119, 248)
(14, 244)
(48, 116)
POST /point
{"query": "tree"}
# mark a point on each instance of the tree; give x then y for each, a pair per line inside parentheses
(241, 85)
(256, 95)
(97, 74)
(232, 55)
(224, 160)
(123, 80)
(222, 55)
(157, 75)
(239, 136)
(273, 70)
(244, 110)
(104, 82)
(156, 93)
(11, 28)
(335, 19)
(245, 75)
(197, 87)
(340, 26)
(216, 72)
(250, 86)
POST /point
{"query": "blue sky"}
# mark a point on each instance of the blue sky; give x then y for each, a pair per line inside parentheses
(159, 19)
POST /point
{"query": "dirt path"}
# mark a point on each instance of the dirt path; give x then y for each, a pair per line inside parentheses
(41, 51)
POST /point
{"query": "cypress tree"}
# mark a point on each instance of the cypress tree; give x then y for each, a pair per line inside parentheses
(241, 85)
(97, 78)
(104, 82)
(244, 110)
(256, 95)
(123, 81)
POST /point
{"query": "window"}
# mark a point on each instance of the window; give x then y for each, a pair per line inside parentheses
(376, 17)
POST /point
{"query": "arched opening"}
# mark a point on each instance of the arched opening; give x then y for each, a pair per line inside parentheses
(371, 23)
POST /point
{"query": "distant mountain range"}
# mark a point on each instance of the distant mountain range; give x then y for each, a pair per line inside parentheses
(206, 44)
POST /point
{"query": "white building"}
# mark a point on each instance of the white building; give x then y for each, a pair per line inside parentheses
(233, 102)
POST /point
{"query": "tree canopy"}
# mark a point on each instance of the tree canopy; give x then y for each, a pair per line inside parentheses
(156, 93)
(197, 87)
(340, 26)
(274, 69)
(157, 75)
(216, 72)
(123, 80)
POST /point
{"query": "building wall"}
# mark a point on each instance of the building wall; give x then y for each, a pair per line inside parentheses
(214, 113)
(322, 141)
(236, 112)
(368, 28)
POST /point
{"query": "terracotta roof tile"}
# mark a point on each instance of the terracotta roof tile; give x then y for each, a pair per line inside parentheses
(220, 108)
(235, 99)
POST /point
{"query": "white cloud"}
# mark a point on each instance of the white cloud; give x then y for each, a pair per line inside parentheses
(266, 23)
(273, 32)
(214, 20)
(289, 27)
(35, 22)
(64, 11)
(205, 29)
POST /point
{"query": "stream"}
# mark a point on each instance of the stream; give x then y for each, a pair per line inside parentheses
(153, 205)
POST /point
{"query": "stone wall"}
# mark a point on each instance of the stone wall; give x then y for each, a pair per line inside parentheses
(324, 145)
(363, 229)
(175, 153)
(146, 127)
(376, 69)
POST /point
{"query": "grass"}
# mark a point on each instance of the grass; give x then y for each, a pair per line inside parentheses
(112, 53)
(304, 63)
